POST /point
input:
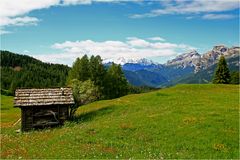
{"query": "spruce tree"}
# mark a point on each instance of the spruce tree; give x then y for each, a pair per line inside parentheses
(235, 76)
(97, 72)
(116, 82)
(73, 73)
(84, 73)
(222, 75)
(80, 69)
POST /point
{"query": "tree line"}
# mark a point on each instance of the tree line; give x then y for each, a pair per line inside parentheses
(91, 81)
(21, 71)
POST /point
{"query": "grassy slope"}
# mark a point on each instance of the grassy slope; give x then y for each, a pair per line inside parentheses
(186, 121)
(8, 114)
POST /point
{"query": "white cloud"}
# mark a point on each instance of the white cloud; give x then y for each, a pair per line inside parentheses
(156, 39)
(15, 8)
(13, 12)
(87, 2)
(131, 48)
(18, 21)
(76, 2)
(218, 16)
(136, 42)
(10, 8)
(191, 7)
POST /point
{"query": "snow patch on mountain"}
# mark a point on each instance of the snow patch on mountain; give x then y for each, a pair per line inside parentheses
(122, 61)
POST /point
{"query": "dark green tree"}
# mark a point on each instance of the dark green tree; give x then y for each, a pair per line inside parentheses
(222, 74)
(80, 69)
(84, 68)
(74, 73)
(97, 73)
(235, 76)
(116, 84)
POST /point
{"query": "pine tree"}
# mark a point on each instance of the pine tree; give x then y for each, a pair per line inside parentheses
(222, 75)
(97, 72)
(73, 73)
(235, 76)
(84, 73)
(80, 69)
(116, 83)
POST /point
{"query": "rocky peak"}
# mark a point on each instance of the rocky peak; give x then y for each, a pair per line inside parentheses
(187, 59)
(220, 49)
(211, 57)
(194, 59)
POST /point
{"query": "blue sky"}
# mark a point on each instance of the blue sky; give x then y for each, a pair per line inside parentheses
(59, 31)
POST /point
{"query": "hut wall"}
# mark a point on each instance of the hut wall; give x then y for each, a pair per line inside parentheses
(43, 116)
(27, 119)
(64, 112)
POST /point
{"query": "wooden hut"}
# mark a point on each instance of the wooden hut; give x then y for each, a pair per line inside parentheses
(43, 107)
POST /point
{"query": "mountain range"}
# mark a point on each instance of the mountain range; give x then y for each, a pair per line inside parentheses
(190, 67)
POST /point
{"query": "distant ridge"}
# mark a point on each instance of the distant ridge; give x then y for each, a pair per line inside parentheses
(182, 68)
(206, 60)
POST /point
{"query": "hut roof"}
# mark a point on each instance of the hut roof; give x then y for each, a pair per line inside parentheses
(43, 97)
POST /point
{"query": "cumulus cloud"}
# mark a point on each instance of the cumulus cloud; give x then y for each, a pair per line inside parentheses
(191, 7)
(131, 48)
(21, 7)
(12, 13)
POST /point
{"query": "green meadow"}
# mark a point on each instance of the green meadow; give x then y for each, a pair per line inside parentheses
(185, 121)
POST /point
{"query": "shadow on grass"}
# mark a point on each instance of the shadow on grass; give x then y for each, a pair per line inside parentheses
(89, 116)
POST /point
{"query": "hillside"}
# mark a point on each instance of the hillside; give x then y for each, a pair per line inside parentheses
(144, 78)
(24, 71)
(185, 121)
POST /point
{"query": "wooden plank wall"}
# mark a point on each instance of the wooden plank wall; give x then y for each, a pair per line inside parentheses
(32, 117)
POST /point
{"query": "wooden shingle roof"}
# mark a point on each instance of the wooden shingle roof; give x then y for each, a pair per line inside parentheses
(43, 97)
